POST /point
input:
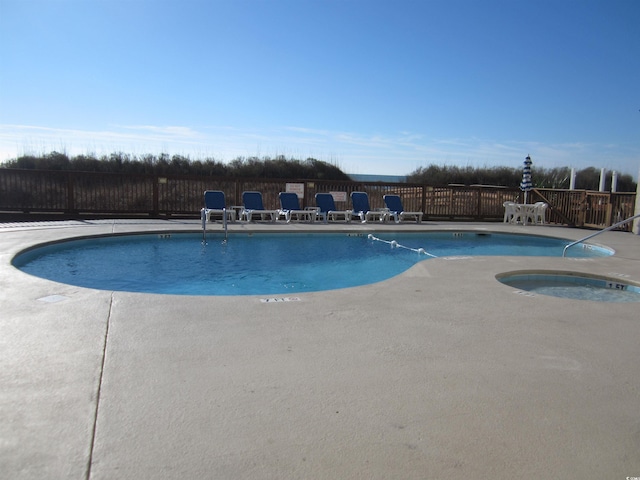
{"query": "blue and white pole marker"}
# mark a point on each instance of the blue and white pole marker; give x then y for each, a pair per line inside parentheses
(395, 244)
(526, 185)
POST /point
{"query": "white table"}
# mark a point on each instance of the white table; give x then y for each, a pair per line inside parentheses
(525, 212)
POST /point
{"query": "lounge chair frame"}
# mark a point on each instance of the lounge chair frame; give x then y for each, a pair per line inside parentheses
(397, 212)
(252, 205)
(290, 209)
(361, 208)
(215, 204)
(326, 209)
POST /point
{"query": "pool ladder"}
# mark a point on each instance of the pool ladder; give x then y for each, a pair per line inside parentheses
(615, 225)
(203, 217)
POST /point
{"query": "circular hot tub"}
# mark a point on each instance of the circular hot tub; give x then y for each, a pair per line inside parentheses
(574, 285)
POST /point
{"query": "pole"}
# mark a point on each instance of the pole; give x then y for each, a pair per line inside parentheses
(603, 173)
(572, 179)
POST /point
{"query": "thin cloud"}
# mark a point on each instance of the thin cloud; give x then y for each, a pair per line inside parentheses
(172, 131)
(355, 152)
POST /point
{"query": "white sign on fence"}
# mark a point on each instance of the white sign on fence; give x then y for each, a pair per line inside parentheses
(339, 196)
(297, 188)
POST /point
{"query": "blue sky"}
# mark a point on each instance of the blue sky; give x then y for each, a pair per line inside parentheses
(374, 87)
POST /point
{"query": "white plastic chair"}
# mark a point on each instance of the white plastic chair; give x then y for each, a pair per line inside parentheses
(509, 212)
(539, 213)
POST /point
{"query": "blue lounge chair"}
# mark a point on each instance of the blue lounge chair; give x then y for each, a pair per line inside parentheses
(327, 209)
(252, 205)
(360, 201)
(214, 204)
(290, 208)
(396, 210)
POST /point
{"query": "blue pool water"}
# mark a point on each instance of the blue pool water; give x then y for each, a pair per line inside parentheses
(260, 264)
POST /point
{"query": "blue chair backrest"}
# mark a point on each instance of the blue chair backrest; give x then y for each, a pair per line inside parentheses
(214, 200)
(252, 200)
(289, 201)
(324, 201)
(393, 203)
(360, 201)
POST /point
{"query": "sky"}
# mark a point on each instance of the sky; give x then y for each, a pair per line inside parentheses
(372, 86)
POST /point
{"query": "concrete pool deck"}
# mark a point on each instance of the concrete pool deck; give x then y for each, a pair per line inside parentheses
(439, 373)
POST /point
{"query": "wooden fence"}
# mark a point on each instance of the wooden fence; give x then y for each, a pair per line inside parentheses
(88, 194)
(584, 208)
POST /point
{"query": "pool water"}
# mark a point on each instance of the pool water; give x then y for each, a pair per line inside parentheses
(261, 264)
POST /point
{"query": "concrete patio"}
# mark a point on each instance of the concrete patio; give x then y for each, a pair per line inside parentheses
(439, 373)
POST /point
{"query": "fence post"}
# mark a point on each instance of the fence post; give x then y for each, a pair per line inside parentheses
(582, 214)
(156, 195)
(237, 200)
(70, 193)
(307, 195)
(609, 213)
(636, 222)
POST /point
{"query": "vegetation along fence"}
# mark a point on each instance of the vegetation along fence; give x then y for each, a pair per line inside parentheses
(87, 194)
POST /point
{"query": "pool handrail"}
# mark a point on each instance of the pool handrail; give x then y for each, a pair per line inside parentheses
(615, 225)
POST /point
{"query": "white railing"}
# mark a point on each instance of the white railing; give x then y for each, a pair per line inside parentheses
(615, 225)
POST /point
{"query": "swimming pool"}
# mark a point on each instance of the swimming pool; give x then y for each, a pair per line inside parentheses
(266, 263)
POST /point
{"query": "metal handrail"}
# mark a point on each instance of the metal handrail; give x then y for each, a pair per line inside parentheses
(203, 217)
(615, 225)
(224, 223)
